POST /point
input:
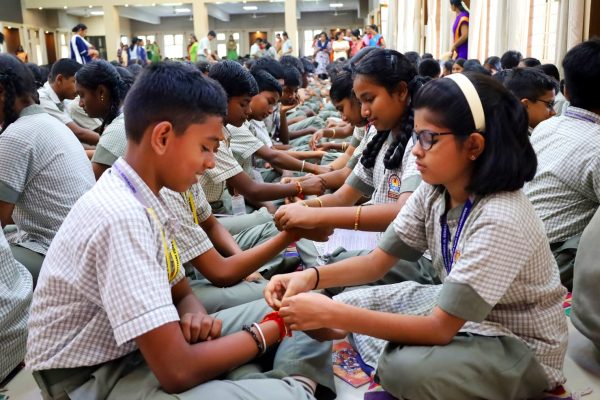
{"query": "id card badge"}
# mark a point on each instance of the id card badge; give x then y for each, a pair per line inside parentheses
(238, 205)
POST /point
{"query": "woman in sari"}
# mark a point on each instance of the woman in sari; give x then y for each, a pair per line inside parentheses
(232, 49)
(460, 29)
(322, 50)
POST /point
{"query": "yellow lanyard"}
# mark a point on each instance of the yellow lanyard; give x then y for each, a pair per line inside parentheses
(192, 205)
(172, 254)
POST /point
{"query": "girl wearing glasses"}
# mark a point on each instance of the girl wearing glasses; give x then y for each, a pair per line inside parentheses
(495, 327)
(384, 82)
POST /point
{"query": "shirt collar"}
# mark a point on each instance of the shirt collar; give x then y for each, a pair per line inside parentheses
(31, 110)
(142, 192)
(582, 114)
(53, 96)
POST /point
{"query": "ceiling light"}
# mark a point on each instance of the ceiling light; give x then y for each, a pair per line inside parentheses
(89, 6)
(40, 8)
(65, 7)
(97, 13)
(250, 8)
(126, 5)
(182, 10)
(47, 32)
(336, 5)
(171, 4)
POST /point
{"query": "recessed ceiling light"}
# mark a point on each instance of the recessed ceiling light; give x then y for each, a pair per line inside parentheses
(126, 5)
(47, 32)
(97, 13)
(65, 7)
(250, 8)
(89, 6)
(40, 8)
(171, 4)
(182, 10)
(336, 5)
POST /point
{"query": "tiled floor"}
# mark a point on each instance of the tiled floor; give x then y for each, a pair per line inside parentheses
(23, 387)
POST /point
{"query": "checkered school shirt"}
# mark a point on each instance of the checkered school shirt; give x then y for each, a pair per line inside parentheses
(113, 142)
(80, 117)
(244, 144)
(357, 136)
(15, 297)
(364, 141)
(505, 281)
(566, 189)
(52, 104)
(259, 129)
(213, 181)
(104, 280)
(383, 185)
(191, 238)
(43, 171)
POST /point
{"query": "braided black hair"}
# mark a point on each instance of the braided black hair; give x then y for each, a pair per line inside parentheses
(99, 73)
(17, 81)
(388, 68)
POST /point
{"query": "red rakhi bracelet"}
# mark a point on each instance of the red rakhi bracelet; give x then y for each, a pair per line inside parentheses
(283, 329)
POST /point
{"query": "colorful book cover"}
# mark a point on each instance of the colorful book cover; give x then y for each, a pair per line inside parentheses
(346, 365)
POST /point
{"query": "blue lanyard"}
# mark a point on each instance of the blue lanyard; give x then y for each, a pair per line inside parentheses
(449, 257)
(574, 114)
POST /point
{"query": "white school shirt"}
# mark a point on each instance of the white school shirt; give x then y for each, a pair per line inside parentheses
(104, 281)
(43, 172)
(255, 50)
(504, 280)
(565, 191)
(52, 105)
(204, 44)
(287, 47)
(113, 142)
(133, 54)
(244, 144)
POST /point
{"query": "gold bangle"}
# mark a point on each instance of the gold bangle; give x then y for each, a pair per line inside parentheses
(320, 202)
(344, 146)
(304, 203)
(299, 187)
(303, 162)
(333, 130)
(357, 218)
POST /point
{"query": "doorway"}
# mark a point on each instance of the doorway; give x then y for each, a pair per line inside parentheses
(50, 47)
(11, 39)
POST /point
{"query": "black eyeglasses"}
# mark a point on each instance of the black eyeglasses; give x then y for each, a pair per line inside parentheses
(425, 138)
(549, 104)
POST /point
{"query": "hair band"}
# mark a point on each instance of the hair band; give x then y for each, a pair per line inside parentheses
(470, 93)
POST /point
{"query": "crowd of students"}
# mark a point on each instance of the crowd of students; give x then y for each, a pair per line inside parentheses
(147, 213)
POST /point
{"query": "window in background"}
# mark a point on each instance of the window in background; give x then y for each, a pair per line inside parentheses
(543, 29)
(309, 36)
(173, 47)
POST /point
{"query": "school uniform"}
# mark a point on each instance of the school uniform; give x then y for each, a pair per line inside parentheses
(360, 138)
(43, 171)
(80, 49)
(503, 281)
(244, 144)
(16, 288)
(192, 242)
(84, 319)
(565, 191)
(52, 105)
(113, 142)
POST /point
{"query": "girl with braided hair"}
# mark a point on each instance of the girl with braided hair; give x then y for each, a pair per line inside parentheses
(384, 82)
(102, 89)
(43, 167)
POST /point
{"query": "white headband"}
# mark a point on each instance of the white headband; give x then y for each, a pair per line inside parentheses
(468, 90)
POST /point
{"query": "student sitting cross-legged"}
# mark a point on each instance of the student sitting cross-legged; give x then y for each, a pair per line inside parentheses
(113, 316)
(43, 168)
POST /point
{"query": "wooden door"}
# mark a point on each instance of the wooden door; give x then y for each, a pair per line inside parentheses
(50, 47)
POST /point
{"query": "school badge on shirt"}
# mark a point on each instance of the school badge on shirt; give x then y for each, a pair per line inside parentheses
(394, 187)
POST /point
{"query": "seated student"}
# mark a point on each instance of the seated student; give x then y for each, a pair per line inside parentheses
(61, 86)
(585, 313)
(16, 288)
(495, 328)
(384, 82)
(510, 59)
(245, 145)
(536, 92)
(560, 101)
(113, 316)
(240, 87)
(43, 168)
(447, 68)
(430, 68)
(102, 89)
(529, 62)
(565, 191)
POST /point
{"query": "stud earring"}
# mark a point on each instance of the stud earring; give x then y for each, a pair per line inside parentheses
(473, 158)
(101, 98)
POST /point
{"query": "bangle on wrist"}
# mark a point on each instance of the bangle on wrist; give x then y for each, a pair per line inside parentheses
(357, 218)
(333, 132)
(318, 277)
(319, 201)
(262, 336)
(299, 188)
(302, 168)
(283, 329)
(259, 343)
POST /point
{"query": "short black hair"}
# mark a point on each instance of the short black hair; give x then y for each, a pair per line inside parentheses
(448, 65)
(294, 62)
(475, 66)
(460, 61)
(79, 27)
(65, 67)
(309, 68)
(266, 82)
(235, 79)
(511, 59)
(550, 70)
(529, 83)
(508, 160)
(426, 56)
(284, 34)
(102, 72)
(17, 81)
(270, 65)
(291, 76)
(341, 87)
(157, 96)
(212, 33)
(135, 69)
(493, 62)
(531, 62)
(429, 67)
(582, 74)
(203, 66)
(503, 76)
(36, 71)
(414, 58)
